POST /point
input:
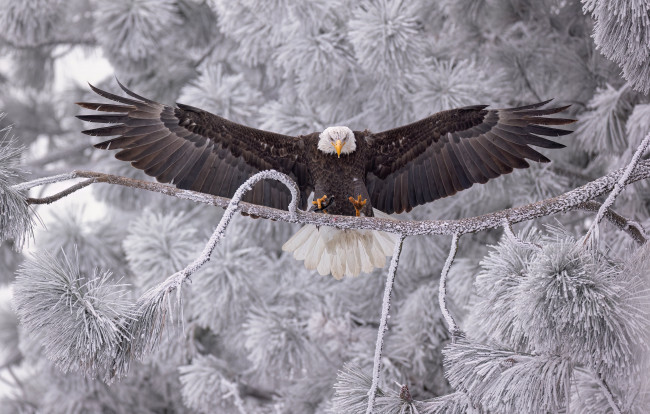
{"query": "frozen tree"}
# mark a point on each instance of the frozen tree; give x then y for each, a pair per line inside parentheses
(116, 307)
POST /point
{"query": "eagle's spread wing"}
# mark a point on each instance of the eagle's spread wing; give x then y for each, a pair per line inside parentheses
(196, 150)
(451, 150)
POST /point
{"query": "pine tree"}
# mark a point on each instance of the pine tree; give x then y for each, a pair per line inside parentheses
(552, 316)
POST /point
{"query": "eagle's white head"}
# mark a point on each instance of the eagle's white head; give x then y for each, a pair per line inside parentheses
(337, 140)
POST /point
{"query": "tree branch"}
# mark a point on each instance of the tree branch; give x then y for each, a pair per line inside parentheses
(154, 306)
(454, 330)
(516, 240)
(619, 186)
(87, 41)
(383, 324)
(568, 201)
(60, 195)
(631, 227)
(608, 393)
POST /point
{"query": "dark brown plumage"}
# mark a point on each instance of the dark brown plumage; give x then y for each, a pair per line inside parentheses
(395, 170)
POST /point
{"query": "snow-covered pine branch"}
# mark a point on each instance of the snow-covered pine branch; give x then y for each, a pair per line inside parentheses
(568, 201)
(79, 319)
(622, 32)
(16, 219)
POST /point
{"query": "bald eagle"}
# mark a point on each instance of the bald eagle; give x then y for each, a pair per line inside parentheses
(350, 173)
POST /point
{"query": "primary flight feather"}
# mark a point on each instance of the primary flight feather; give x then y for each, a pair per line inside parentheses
(350, 172)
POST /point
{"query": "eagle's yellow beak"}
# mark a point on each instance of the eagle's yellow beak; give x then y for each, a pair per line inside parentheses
(338, 145)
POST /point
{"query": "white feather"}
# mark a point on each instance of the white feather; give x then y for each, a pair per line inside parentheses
(340, 252)
(331, 134)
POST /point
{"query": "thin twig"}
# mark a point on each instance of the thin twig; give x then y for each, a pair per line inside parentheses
(608, 393)
(89, 40)
(618, 187)
(178, 278)
(568, 201)
(454, 330)
(60, 195)
(383, 324)
(155, 304)
(51, 180)
(516, 240)
(631, 227)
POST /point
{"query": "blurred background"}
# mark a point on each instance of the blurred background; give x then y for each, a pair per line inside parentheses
(262, 333)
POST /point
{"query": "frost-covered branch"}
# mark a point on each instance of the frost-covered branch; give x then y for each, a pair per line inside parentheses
(516, 240)
(154, 306)
(454, 330)
(631, 227)
(383, 324)
(608, 394)
(568, 201)
(619, 185)
(61, 194)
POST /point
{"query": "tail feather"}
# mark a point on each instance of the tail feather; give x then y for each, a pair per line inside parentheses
(340, 252)
(313, 260)
(366, 264)
(299, 238)
(324, 264)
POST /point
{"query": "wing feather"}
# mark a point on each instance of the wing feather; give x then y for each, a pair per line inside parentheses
(195, 149)
(451, 150)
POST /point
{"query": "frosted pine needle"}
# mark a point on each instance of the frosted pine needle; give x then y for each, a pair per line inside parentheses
(351, 390)
(622, 32)
(207, 387)
(574, 302)
(16, 220)
(503, 381)
(80, 319)
(387, 36)
(602, 128)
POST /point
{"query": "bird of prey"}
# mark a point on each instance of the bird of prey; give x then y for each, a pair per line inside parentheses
(350, 173)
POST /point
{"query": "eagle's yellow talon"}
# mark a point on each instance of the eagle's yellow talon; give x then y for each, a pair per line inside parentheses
(319, 202)
(358, 204)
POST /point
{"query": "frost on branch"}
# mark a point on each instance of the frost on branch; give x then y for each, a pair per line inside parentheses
(117, 196)
(502, 381)
(16, 220)
(351, 390)
(622, 32)
(80, 319)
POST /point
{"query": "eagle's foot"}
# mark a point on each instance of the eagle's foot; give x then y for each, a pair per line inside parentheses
(321, 203)
(358, 204)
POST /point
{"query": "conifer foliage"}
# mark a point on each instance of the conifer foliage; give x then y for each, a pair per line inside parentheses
(108, 315)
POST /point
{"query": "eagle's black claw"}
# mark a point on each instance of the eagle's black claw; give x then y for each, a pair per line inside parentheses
(322, 204)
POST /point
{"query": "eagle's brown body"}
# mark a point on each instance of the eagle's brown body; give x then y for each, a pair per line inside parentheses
(326, 172)
(393, 171)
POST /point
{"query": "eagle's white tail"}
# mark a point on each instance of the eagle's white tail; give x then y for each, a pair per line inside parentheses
(341, 252)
